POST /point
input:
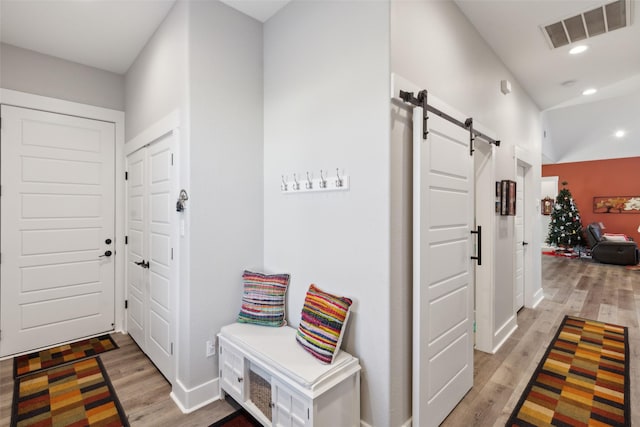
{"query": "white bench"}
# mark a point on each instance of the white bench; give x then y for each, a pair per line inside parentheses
(266, 371)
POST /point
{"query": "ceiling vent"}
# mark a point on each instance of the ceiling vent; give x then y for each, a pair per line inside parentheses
(600, 20)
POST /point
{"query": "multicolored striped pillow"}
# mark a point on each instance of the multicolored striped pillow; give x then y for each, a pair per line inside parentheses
(324, 317)
(263, 300)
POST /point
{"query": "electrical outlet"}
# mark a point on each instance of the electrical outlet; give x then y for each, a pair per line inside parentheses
(211, 348)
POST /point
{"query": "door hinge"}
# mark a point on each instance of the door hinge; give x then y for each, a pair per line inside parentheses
(171, 159)
(308, 416)
(172, 349)
(171, 253)
(126, 240)
(126, 176)
(126, 304)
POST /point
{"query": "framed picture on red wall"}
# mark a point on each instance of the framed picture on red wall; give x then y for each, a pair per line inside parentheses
(616, 204)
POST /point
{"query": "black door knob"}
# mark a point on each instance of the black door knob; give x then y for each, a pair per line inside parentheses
(108, 241)
(106, 254)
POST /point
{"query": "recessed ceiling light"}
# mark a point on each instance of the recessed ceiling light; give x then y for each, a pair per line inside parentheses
(589, 91)
(619, 133)
(578, 49)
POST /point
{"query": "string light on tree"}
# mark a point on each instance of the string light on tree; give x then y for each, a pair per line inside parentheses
(565, 228)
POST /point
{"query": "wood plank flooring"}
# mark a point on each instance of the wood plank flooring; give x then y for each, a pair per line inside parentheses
(597, 291)
(141, 389)
(602, 292)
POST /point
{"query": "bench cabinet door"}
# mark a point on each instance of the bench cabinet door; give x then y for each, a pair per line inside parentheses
(289, 408)
(232, 372)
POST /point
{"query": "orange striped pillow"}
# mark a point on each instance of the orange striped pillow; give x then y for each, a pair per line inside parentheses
(322, 325)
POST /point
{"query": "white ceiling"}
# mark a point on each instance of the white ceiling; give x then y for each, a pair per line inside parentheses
(106, 34)
(258, 9)
(109, 34)
(611, 64)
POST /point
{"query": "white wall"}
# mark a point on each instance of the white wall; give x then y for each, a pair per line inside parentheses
(548, 188)
(326, 106)
(32, 72)
(157, 81)
(205, 60)
(226, 203)
(434, 46)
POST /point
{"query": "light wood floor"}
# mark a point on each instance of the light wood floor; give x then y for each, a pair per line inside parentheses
(595, 291)
(141, 389)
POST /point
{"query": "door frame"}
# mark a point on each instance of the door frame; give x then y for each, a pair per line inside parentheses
(524, 158)
(59, 106)
(168, 125)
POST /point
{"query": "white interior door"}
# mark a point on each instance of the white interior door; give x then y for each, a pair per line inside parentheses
(137, 231)
(151, 270)
(161, 271)
(443, 270)
(520, 241)
(57, 227)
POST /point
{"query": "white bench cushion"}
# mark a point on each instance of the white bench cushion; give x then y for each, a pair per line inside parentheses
(279, 348)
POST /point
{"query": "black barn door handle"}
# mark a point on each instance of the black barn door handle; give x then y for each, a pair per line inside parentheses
(479, 233)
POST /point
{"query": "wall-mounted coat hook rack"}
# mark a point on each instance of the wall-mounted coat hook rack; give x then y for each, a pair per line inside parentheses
(338, 183)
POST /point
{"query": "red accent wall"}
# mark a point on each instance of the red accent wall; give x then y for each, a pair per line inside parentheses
(614, 177)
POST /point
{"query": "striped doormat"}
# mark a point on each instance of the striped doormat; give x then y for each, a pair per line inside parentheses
(59, 355)
(582, 380)
(76, 394)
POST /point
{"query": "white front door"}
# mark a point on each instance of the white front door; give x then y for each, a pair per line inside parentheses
(443, 269)
(57, 228)
(520, 242)
(151, 268)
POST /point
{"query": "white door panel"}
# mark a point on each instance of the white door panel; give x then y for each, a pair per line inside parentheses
(136, 246)
(443, 270)
(152, 235)
(57, 214)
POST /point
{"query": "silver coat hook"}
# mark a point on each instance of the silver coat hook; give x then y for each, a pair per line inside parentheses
(309, 184)
(323, 180)
(284, 185)
(296, 184)
(338, 179)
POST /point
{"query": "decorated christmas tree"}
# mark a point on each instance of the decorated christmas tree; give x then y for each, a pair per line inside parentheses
(565, 228)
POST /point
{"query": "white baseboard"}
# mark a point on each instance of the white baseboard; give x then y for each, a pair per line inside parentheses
(407, 423)
(537, 298)
(189, 400)
(505, 332)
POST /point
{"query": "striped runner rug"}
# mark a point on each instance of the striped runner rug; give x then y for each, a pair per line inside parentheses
(582, 380)
(61, 354)
(73, 395)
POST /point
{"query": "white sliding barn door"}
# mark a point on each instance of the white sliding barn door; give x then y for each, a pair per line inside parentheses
(151, 268)
(443, 270)
(57, 228)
